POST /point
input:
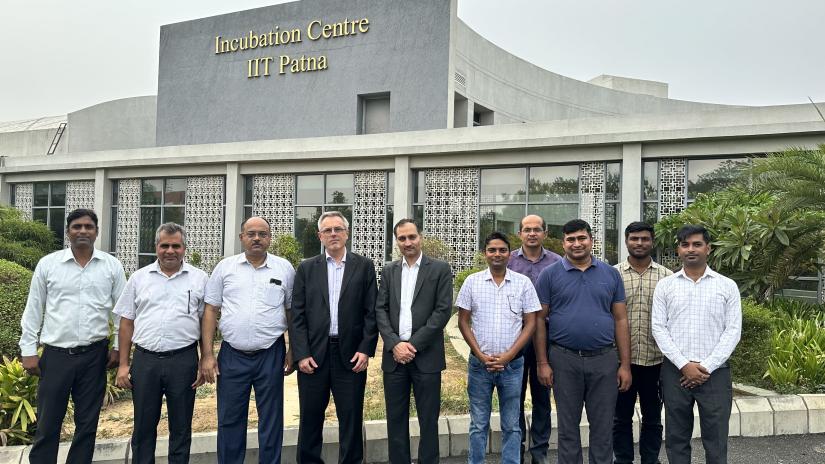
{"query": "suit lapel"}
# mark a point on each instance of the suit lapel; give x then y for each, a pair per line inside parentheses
(396, 284)
(422, 276)
(349, 270)
(322, 263)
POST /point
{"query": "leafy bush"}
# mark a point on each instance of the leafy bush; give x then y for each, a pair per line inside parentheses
(14, 290)
(749, 361)
(18, 392)
(435, 248)
(24, 242)
(479, 264)
(287, 247)
(798, 360)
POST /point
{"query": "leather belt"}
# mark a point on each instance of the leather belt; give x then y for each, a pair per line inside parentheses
(77, 349)
(166, 354)
(246, 352)
(585, 353)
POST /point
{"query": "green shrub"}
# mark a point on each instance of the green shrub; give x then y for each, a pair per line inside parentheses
(24, 242)
(749, 361)
(435, 248)
(18, 392)
(287, 247)
(479, 264)
(798, 360)
(14, 290)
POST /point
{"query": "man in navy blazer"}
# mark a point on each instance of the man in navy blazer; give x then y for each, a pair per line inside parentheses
(332, 336)
(414, 304)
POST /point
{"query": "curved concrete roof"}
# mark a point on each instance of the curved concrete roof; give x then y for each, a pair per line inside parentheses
(46, 122)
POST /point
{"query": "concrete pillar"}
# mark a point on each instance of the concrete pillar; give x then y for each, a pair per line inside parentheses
(5, 191)
(403, 188)
(631, 190)
(234, 209)
(103, 208)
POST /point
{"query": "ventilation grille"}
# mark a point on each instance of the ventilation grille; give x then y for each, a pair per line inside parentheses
(461, 79)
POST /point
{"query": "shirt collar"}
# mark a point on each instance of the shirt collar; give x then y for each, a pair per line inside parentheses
(155, 267)
(625, 265)
(330, 259)
(708, 273)
(489, 275)
(69, 256)
(242, 259)
(568, 266)
(417, 261)
(544, 254)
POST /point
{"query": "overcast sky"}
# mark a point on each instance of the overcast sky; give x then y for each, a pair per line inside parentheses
(59, 56)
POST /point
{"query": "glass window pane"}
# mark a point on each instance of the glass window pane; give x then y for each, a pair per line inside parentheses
(145, 260)
(555, 216)
(306, 228)
(151, 191)
(611, 233)
(418, 215)
(650, 213)
(712, 175)
(340, 188)
(115, 191)
(390, 238)
(57, 221)
(41, 195)
(173, 214)
(149, 222)
(248, 185)
(390, 188)
(58, 194)
(41, 214)
(247, 212)
(650, 182)
(175, 192)
(503, 185)
(502, 218)
(310, 190)
(420, 189)
(554, 183)
(613, 182)
(113, 231)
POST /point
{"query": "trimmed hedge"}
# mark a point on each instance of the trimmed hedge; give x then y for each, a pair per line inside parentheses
(749, 361)
(14, 290)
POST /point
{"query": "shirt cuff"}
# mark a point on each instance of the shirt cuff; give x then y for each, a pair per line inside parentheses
(28, 350)
(680, 362)
(709, 366)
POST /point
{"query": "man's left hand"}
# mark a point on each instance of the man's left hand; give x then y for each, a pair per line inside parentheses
(114, 359)
(361, 361)
(624, 378)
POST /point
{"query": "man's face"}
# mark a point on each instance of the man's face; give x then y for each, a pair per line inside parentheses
(497, 253)
(170, 251)
(694, 251)
(408, 240)
(256, 236)
(532, 233)
(333, 234)
(578, 245)
(639, 244)
(82, 232)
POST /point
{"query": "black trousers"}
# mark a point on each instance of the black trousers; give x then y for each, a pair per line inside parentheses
(539, 432)
(83, 376)
(646, 387)
(427, 390)
(154, 377)
(347, 388)
(714, 398)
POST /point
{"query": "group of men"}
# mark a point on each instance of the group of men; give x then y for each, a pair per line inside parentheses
(594, 333)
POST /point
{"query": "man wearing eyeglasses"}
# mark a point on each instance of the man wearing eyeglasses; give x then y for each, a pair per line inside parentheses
(333, 335)
(530, 259)
(252, 293)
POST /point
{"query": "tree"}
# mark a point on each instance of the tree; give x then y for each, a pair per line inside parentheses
(24, 242)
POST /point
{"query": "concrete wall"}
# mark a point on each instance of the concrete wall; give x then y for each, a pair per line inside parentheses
(205, 97)
(626, 84)
(521, 91)
(117, 124)
(35, 142)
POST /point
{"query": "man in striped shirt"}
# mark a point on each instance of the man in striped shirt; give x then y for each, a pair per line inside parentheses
(640, 274)
(697, 322)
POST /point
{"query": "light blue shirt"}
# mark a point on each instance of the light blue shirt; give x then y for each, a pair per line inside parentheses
(335, 276)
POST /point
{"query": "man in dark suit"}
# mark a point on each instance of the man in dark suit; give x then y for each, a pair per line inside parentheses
(411, 320)
(332, 337)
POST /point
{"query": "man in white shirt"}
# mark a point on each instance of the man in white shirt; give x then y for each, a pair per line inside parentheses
(252, 291)
(160, 311)
(496, 316)
(697, 322)
(69, 305)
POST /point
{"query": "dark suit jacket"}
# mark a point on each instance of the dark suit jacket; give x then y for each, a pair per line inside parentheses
(309, 328)
(431, 308)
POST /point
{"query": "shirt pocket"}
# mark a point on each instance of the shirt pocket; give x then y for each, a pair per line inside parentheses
(273, 295)
(194, 302)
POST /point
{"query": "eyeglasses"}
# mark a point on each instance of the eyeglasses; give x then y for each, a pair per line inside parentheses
(252, 235)
(535, 230)
(330, 230)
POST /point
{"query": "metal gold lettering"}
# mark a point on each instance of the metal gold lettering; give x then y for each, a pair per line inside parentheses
(309, 30)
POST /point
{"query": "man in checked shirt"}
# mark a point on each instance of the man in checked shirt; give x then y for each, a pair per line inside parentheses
(697, 322)
(640, 275)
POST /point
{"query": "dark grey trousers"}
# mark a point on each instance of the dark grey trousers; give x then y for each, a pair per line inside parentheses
(714, 398)
(589, 382)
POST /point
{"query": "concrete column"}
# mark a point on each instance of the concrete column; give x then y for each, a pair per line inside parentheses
(103, 208)
(5, 191)
(631, 190)
(234, 209)
(403, 188)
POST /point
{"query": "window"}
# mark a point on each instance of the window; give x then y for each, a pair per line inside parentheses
(248, 185)
(712, 175)
(161, 201)
(650, 192)
(49, 207)
(390, 217)
(460, 111)
(374, 113)
(482, 116)
(315, 195)
(612, 211)
(113, 235)
(419, 192)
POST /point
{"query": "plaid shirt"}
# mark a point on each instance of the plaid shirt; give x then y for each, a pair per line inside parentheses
(638, 289)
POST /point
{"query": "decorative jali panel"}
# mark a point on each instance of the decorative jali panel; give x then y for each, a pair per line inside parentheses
(369, 216)
(128, 219)
(79, 194)
(591, 198)
(273, 198)
(672, 197)
(204, 218)
(24, 199)
(451, 212)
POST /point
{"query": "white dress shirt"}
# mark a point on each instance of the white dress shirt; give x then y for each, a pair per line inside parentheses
(697, 321)
(71, 303)
(497, 311)
(335, 276)
(409, 276)
(252, 301)
(166, 309)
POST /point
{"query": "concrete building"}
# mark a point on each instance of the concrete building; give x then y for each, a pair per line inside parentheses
(381, 109)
